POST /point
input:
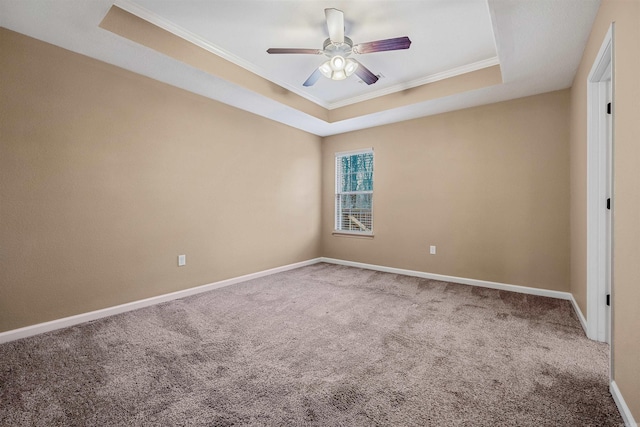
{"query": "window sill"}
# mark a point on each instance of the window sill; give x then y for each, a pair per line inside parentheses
(356, 235)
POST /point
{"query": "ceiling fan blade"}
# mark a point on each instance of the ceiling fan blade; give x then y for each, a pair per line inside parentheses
(382, 45)
(335, 24)
(313, 78)
(293, 50)
(365, 74)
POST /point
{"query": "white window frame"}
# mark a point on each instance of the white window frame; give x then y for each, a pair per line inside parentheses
(338, 192)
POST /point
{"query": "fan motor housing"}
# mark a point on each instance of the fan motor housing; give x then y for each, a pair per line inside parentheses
(333, 49)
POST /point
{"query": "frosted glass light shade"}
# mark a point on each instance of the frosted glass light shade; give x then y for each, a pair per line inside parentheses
(337, 63)
(339, 75)
(338, 68)
(351, 67)
(326, 70)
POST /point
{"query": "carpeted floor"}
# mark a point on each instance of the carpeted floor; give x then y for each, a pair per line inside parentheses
(323, 345)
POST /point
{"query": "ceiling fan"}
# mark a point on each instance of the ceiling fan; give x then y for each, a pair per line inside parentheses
(338, 47)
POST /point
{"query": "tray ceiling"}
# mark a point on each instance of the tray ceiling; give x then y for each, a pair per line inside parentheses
(537, 44)
(449, 38)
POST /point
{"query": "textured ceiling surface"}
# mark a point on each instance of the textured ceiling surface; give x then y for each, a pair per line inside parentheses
(538, 44)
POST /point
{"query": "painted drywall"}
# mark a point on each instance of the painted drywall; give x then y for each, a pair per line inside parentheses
(626, 193)
(488, 186)
(107, 176)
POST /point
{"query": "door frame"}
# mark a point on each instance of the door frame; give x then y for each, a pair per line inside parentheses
(599, 318)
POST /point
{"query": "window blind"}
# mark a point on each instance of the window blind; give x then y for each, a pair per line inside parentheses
(354, 192)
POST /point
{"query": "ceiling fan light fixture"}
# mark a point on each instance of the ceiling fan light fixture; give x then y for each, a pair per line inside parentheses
(326, 70)
(338, 68)
(339, 75)
(351, 67)
(337, 47)
(337, 63)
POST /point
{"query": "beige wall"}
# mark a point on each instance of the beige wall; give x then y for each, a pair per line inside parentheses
(489, 186)
(106, 176)
(626, 197)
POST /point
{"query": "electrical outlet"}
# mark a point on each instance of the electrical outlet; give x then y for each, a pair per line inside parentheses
(432, 250)
(182, 260)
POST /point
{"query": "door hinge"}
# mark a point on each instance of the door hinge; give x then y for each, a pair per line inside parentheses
(609, 299)
(609, 204)
(609, 108)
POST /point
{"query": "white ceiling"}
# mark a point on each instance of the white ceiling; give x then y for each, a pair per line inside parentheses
(538, 44)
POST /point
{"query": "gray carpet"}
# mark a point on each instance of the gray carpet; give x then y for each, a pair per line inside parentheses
(321, 345)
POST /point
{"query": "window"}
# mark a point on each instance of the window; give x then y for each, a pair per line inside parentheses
(354, 192)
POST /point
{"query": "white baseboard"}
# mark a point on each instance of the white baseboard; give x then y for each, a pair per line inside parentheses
(40, 328)
(576, 308)
(454, 279)
(622, 405)
(472, 282)
(110, 311)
